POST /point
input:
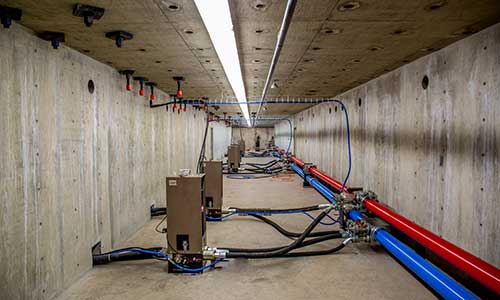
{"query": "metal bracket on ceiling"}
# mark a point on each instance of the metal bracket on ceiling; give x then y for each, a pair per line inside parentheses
(55, 38)
(8, 14)
(119, 36)
(88, 12)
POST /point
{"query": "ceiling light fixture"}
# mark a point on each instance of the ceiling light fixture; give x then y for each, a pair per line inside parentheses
(217, 19)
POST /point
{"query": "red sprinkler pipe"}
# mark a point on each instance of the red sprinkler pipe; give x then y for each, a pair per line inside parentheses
(478, 269)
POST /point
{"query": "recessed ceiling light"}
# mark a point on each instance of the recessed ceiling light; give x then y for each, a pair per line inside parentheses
(217, 19)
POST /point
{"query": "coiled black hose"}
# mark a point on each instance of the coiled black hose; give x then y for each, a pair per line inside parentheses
(286, 249)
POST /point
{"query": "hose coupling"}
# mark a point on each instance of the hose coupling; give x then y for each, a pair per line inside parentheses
(213, 253)
(347, 241)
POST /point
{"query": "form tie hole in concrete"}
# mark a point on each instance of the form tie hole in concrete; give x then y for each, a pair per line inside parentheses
(351, 5)
(359, 102)
(330, 110)
(188, 31)
(435, 6)
(484, 120)
(425, 82)
(91, 86)
(259, 31)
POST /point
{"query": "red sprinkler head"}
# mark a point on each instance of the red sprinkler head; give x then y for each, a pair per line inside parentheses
(141, 82)
(128, 73)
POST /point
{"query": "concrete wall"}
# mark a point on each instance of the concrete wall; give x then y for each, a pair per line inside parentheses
(75, 168)
(221, 139)
(432, 154)
(249, 135)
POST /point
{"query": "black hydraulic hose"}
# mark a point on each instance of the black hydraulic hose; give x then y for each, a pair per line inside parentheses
(268, 164)
(286, 249)
(306, 243)
(271, 210)
(315, 253)
(290, 234)
(101, 259)
(202, 151)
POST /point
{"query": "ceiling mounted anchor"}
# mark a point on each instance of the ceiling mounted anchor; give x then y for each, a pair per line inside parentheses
(55, 38)
(128, 74)
(152, 87)
(7, 14)
(179, 79)
(119, 36)
(141, 82)
(88, 12)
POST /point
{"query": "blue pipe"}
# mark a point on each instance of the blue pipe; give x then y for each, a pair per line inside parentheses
(439, 281)
(435, 278)
(323, 190)
(355, 215)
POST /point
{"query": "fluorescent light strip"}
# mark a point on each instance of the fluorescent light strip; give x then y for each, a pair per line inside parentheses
(217, 19)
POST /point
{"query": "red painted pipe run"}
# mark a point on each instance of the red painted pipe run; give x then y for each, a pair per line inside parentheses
(322, 176)
(478, 269)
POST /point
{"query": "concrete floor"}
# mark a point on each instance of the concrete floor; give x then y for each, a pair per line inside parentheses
(357, 271)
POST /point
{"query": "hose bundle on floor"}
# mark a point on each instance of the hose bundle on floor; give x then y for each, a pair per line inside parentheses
(284, 251)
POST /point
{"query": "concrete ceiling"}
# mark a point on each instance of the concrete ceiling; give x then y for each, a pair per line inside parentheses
(331, 46)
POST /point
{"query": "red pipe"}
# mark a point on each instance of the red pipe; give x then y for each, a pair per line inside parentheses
(297, 161)
(314, 171)
(480, 270)
(329, 180)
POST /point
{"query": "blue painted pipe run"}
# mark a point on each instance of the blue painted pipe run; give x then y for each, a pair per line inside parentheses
(435, 278)
(439, 281)
(323, 190)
